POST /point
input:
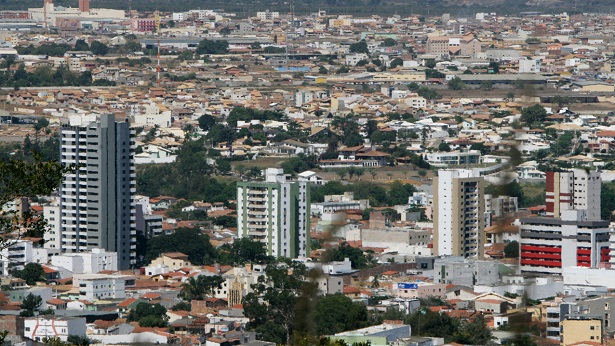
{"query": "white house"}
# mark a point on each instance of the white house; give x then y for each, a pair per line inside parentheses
(100, 286)
(87, 262)
(311, 177)
(40, 327)
(353, 59)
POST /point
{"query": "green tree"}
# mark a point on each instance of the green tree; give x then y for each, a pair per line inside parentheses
(31, 273)
(456, 84)
(399, 193)
(280, 301)
(273, 50)
(357, 258)
(30, 304)
(532, 40)
(81, 45)
(533, 114)
(425, 322)
(337, 313)
(181, 306)
(322, 70)
(563, 144)
(79, 340)
(494, 67)
(389, 42)
(99, 48)
(475, 332)
(607, 201)
(521, 339)
(200, 287)
(223, 166)
(149, 315)
(432, 73)
(244, 250)
(132, 46)
(443, 146)
(480, 147)
(511, 250)
(185, 55)
(430, 63)
(359, 47)
(512, 189)
(188, 241)
(396, 62)
(219, 133)
(212, 47)
(486, 85)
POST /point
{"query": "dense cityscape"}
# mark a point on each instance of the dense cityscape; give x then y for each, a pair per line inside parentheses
(292, 177)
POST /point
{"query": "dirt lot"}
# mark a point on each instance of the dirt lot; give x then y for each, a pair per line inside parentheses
(383, 175)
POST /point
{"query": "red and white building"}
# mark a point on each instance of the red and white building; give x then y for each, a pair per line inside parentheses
(144, 24)
(576, 189)
(550, 244)
(40, 327)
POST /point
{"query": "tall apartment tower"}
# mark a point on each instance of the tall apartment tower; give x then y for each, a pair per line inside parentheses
(459, 208)
(576, 189)
(277, 213)
(96, 206)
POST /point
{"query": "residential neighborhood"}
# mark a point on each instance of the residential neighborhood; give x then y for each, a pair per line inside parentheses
(217, 178)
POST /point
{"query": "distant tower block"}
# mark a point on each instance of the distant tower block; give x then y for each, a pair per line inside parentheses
(84, 5)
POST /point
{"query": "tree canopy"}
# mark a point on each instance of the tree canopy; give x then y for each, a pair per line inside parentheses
(200, 287)
(359, 47)
(212, 47)
(243, 250)
(30, 304)
(149, 315)
(188, 241)
(533, 114)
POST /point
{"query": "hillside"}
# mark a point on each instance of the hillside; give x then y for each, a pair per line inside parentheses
(357, 7)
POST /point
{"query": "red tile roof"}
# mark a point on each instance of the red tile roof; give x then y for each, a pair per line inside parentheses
(56, 301)
(126, 303)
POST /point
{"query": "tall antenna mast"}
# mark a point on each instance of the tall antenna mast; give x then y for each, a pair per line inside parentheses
(158, 34)
(291, 27)
(130, 22)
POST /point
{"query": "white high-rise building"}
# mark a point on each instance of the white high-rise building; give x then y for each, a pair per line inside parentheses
(96, 205)
(52, 236)
(459, 207)
(277, 213)
(576, 189)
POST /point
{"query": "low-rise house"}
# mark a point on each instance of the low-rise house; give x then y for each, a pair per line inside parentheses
(41, 327)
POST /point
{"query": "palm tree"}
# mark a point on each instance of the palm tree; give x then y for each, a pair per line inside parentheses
(199, 287)
(193, 288)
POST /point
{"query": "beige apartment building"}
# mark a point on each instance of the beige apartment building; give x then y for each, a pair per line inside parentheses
(467, 45)
(577, 329)
(459, 210)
